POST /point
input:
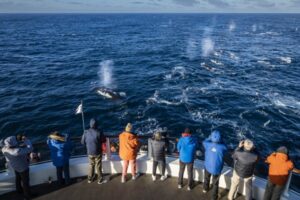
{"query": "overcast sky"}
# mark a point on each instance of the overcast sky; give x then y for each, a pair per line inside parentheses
(152, 6)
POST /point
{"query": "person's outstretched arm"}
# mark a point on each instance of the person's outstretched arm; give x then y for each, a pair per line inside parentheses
(296, 171)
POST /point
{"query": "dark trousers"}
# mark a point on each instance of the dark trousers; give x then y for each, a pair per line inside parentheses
(63, 170)
(95, 162)
(273, 192)
(215, 184)
(162, 165)
(22, 183)
(189, 170)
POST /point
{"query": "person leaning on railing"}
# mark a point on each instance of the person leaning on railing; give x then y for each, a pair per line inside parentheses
(279, 168)
(129, 146)
(158, 148)
(93, 138)
(186, 146)
(19, 161)
(60, 148)
(215, 151)
(245, 159)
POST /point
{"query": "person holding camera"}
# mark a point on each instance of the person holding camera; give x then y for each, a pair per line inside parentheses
(17, 156)
(245, 159)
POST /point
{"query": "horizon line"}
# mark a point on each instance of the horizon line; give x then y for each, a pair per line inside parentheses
(149, 12)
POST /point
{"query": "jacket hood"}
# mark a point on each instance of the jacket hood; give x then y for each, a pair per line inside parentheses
(93, 123)
(215, 136)
(11, 141)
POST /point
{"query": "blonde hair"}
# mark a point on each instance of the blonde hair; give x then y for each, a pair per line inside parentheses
(157, 136)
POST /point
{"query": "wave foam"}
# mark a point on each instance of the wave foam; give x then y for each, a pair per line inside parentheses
(286, 59)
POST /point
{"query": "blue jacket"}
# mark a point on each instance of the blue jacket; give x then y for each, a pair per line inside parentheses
(214, 155)
(60, 149)
(186, 147)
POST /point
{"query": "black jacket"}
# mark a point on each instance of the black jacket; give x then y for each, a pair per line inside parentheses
(244, 162)
(158, 149)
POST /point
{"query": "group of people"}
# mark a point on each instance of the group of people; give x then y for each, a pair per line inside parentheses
(245, 158)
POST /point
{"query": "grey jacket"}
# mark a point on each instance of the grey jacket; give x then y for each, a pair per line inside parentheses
(244, 162)
(93, 139)
(17, 156)
(158, 149)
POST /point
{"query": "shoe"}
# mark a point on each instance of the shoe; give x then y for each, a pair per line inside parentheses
(102, 181)
(189, 188)
(123, 180)
(204, 191)
(162, 178)
(89, 181)
(153, 178)
(179, 186)
(136, 176)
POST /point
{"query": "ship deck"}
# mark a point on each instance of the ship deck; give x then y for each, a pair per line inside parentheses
(142, 188)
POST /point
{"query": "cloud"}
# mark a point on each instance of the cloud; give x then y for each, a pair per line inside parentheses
(218, 3)
(260, 3)
(186, 2)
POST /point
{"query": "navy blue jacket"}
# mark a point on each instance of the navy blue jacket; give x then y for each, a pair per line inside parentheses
(186, 147)
(214, 156)
(60, 149)
(93, 139)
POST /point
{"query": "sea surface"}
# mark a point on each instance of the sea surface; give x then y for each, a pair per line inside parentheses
(238, 73)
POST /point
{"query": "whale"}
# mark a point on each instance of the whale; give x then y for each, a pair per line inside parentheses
(109, 93)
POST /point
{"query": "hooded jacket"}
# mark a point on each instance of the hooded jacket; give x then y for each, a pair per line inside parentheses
(93, 139)
(158, 148)
(60, 149)
(244, 162)
(15, 155)
(279, 168)
(186, 147)
(214, 153)
(129, 146)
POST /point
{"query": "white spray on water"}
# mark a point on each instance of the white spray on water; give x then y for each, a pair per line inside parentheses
(208, 44)
(254, 28)
(231, 26)
(105, 73)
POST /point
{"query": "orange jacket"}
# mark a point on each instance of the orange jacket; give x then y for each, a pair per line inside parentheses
(279, 168)
(129, 145)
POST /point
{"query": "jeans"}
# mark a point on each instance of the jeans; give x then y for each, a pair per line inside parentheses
(22, 183)
(235, 183)
(273, 191)
(215, 187)
(63, 170)
(189, 170)
(126, 163)
(95, 162)
(162, 165)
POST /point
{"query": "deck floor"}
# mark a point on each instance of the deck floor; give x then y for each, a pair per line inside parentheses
(141, 189)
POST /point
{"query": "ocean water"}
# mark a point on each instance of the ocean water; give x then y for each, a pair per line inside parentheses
(238, 73)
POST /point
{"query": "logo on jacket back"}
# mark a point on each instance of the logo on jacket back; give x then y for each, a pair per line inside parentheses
(213, 149)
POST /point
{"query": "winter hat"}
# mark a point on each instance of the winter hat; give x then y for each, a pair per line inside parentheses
(128, 127)
(282, 149)
(11, 142)
(215, 136)
(248, 144)
(187, 130)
